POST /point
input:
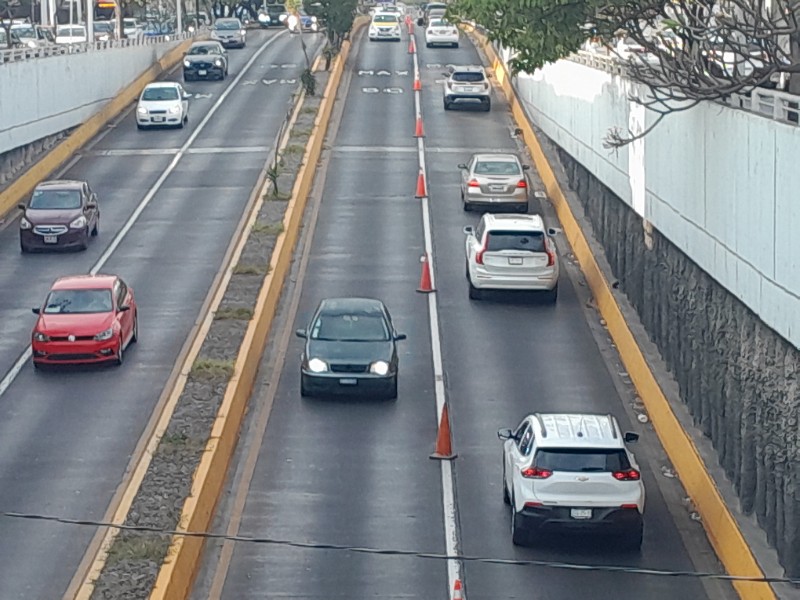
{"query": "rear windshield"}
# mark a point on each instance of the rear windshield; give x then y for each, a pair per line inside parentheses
(439, 23)
(350, 328)
(495, 167)
(580, 460)
(55, 200)
(468, 77)
(533, 241)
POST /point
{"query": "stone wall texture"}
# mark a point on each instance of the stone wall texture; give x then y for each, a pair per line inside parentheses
(740, 379)
(15, 162)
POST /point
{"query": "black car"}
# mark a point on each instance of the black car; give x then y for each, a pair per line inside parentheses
(272, 16)
(205, 60)
(350, 349)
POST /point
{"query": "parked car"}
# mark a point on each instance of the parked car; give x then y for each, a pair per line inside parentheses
(31, 35)
(60, 214)
(85, 319)
(572, 473)
(384, 26)
(4, 40)
(104, 31)
(131, 28)
(230, 33)
(511, 252)
(205, 60)
(467, 85)
(71, 34)
(351, 348)
(494, 179)
(440, 32)
(163, 104)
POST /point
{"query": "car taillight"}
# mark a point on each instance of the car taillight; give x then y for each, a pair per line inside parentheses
(630, 506)
(628, 475)
(533, 504)
(473, 183)
(522, 184)
(479, 256)
(536, 473)
(551, 254)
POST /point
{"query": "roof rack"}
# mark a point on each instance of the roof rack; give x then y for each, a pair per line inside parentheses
(613, 429)
(541, 424)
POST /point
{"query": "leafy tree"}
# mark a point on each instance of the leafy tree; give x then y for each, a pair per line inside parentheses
(337, 16)
(7, 12)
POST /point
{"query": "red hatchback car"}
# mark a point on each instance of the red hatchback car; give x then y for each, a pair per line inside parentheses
(85, 319)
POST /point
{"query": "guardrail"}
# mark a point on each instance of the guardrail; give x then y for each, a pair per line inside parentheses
(21, 54)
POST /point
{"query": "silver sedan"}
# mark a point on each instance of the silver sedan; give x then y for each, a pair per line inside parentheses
(494, 180)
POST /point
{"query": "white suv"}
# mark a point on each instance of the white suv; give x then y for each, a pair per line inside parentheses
(511, 252)
(467, 85)
(572, 472)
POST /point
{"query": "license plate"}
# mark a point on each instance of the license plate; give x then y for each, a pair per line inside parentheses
(581, 513)
(51, 239)
(348, 381)
(158, 119)
(497, 188)
(515, 261)
(202, 72)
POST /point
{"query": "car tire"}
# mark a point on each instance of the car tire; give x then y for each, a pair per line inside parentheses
(506, 496)
(23, 248)
(304, 391)
(474, 293)
(523, 208)
(121, 353)
(85, 243)
(632, 541)
(140, 127)
(135, 334)
(466, 206)
(488, 106)
(392, 395)
(552, 295)
(96, 229)
(517, 534)
(427, 45)
(446, 105)
(455, 45)
(186, 78)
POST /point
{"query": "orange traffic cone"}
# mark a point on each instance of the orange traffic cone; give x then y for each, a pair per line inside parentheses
(458, 594)
(419, 132)
(444, 447)
(425, 283)
(421, 192)
(417, 85)
(411, 46)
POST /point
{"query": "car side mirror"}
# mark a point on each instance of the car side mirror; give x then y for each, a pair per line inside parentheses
(21, 206)
(462, 166)
(186, 95)
(488, 75)
(420, 21)
(469, 230)
(91, 204)
(505, 434)
(552, 232)
(526, 167)
(631, 437)
(446, 74)
(400, 336)
(301, 333)
(36, 311)
(124, 308)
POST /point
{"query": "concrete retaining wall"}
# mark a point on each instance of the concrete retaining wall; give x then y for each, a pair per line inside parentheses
(719, 183)
(40, 98)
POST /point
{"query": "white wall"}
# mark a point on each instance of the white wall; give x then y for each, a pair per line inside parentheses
(722, 184)
(43, 96)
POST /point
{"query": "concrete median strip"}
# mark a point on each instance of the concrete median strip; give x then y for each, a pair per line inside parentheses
(21, 187)
(719, 523)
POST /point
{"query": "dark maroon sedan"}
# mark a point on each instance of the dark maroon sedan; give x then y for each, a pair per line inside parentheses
(60, 214)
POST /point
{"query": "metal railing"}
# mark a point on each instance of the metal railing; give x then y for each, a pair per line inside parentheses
(21, 54)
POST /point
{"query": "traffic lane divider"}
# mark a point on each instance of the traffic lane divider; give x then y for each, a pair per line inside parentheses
(720, 525)
(23, 186)
(177, 574)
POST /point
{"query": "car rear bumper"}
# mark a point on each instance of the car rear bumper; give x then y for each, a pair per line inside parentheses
(467, 98)
(232, 43)
(73, 238)
(605, 520)
(485, 200)
(441, 39)
(74, 353)
(348, 384)
(483, 281)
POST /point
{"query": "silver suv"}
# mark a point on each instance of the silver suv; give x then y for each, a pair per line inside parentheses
(467, 85)
(229, 32)
(511, 252)
(572, 472)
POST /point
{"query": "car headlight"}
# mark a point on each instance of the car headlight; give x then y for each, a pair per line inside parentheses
(174, 110)
(187, 64)
(103, 38)
(24, 223)
(40, 337)
(78, 223)
(315, 365)
(313, 19)
(141, 110)
(242, 32)
(379, 367)
(373, 30)
(105, 335)
(31, 44)
(218, 62)
(263, 18)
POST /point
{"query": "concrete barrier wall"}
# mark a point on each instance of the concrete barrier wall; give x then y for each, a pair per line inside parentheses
(43, 97)
(719, 183)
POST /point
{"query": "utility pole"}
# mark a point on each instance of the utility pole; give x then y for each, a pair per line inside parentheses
(90, 23)
(179, 13)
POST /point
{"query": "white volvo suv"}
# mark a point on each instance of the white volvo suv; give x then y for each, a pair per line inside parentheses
(511, 252)
(565, 472)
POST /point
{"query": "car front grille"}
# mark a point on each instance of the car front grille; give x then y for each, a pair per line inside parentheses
(201, 65)
(78, 338)
(66, 357)
(50, 229)
(158, 112)
(349, 368)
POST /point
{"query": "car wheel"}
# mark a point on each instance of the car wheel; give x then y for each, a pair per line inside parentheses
(121, 352)
(96, 230)
(474, 293)
(455, 45)
(517, 535)
(186, 78)
(523, 208)
(446, 105)
(465, 205)
(632, 541)
(85, 243)
(23, 248)
(304, 391)
(552, 295)
(392, 395)
(139, 127)
(135, 334)
(428, 45)
(506, 497)
(488, 106)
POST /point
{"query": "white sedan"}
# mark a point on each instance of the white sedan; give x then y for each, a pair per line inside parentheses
(441, 32)
(164, 104)
(71, 34)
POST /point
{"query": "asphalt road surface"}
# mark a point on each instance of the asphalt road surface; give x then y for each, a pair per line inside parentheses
(66, 437)
(356, 472)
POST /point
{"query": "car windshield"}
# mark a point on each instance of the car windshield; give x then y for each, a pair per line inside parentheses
(24, 31)
(160, 93)
(496, 167)
(227, 25)
(467, 77)
(532, 241)
(204, 50)
(129, 22)
(62, 302)
(350, 327)
(384, 19)
(276, 10)
(582, 460)
(104, 27)
(55, 200)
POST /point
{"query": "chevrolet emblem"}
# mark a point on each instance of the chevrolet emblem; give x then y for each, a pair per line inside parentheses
(71, 338)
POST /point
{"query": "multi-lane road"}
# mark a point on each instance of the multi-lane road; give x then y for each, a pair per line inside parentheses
(170, 203)
(357, 473)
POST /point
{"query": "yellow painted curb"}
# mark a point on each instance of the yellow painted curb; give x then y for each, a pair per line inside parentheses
(177, 574)
(24, 184)
(721, 527)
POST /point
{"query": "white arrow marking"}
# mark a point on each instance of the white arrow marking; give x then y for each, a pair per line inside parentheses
(383, 73)
(370, 90)
(268, 81)
(250, 82)
(439, 80)
(202, 95)
(434, 66)
(362, 73)
(393, 90)
(401, 73)
(288, 66)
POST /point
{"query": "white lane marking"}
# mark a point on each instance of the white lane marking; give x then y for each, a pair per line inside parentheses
(197, 96)
(370, 90)
(362, 73)
(393, 90)
(26, 355)
(452, 542)
(268, 81)
(250, 82)
(383, 73)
